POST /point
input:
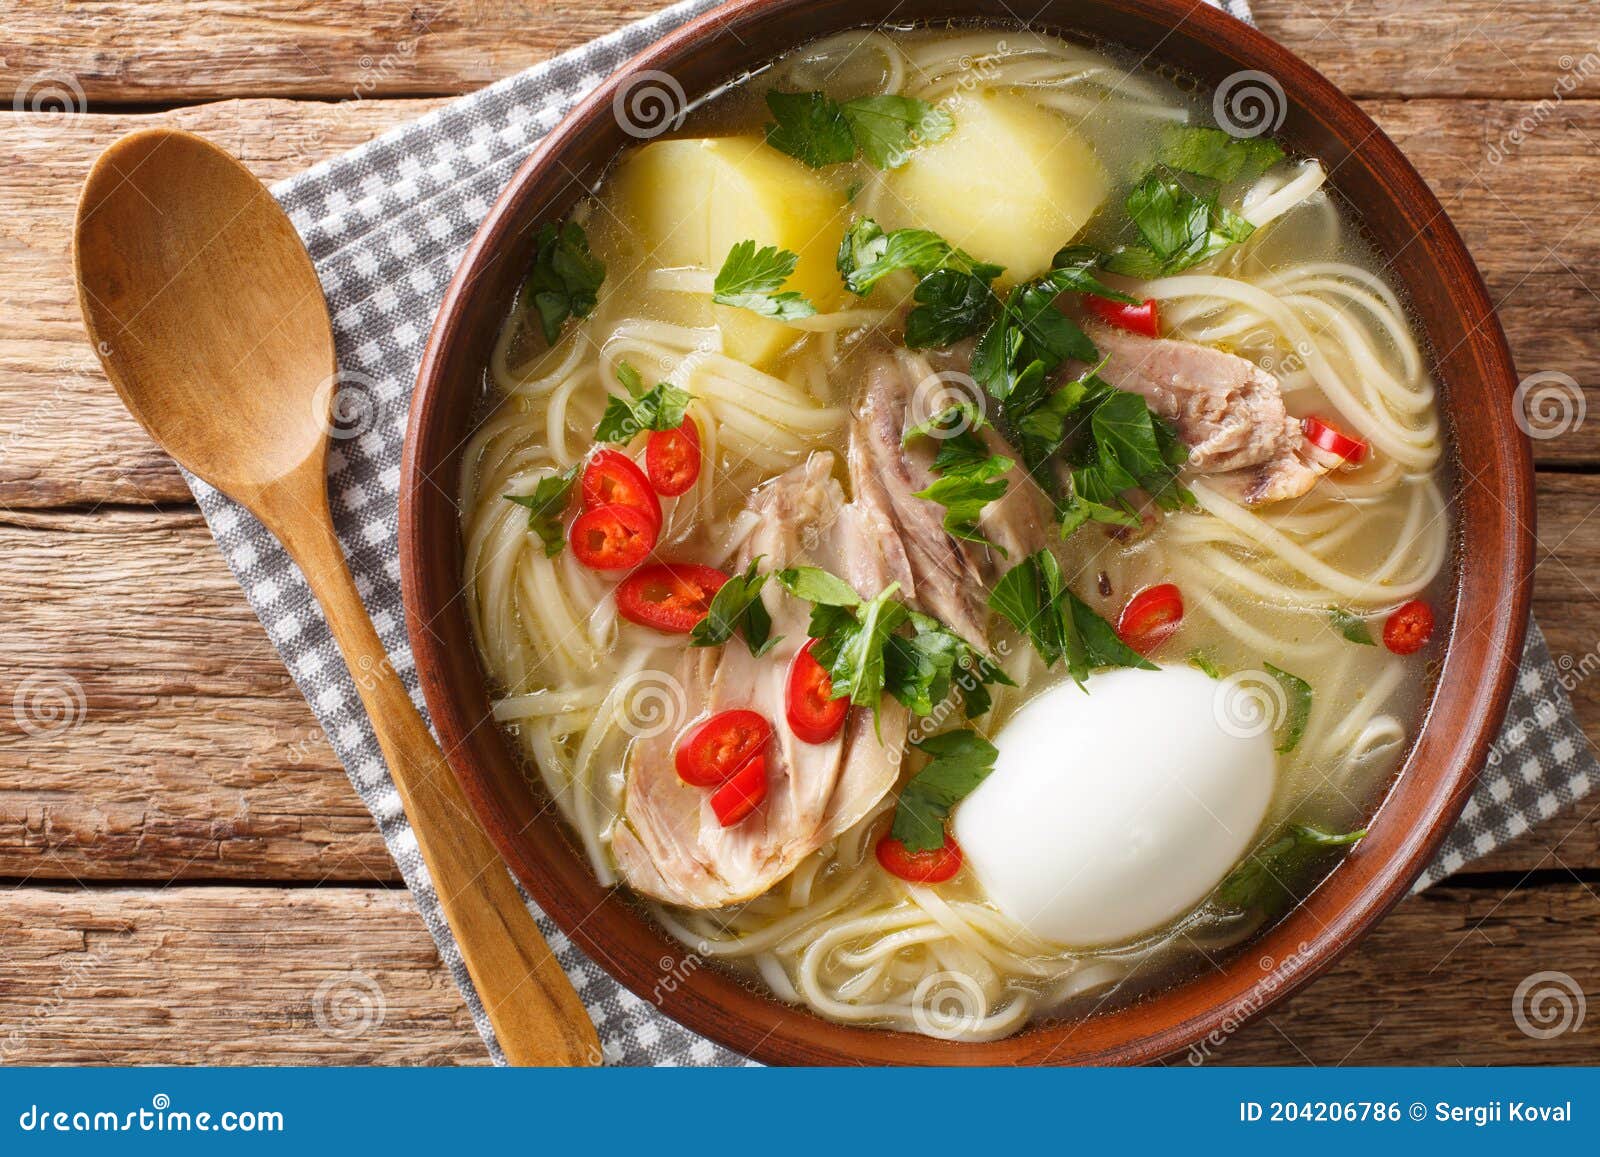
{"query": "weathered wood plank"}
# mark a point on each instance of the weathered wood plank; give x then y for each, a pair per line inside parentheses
(192, 755)
(64, 438)
(233, 975)
(185, 50)
(152, 731)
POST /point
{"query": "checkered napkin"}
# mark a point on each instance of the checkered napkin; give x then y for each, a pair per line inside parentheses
(386, 225)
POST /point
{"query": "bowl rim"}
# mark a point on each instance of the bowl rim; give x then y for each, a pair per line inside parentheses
(1479, 664)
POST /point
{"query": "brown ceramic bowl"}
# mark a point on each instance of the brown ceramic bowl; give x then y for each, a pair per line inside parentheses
(1492, 504)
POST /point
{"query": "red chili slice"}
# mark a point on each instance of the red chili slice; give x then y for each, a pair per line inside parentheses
(669, 596)
(931, 867)
(814, 715)
(672, 458)
(613, 537)
(1151, 617)
(1329, 437)
(1140, 318)
(741, 795)
(716, 748)
(612, 479)
(1409, 628)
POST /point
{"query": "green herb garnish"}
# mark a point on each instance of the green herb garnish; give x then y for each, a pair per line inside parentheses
(565, 279)
(961, 760)
(737, 606)
(1203, 662)
(814, 128)
(752, 278)
(1297, 707)
(1266, 881)
(661, 407)
(1180, 228)
(546, 506)
(1351, 626)
(1034, 598)
(1215, 154)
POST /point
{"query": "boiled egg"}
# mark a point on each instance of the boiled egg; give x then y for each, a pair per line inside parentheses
(1111, 813)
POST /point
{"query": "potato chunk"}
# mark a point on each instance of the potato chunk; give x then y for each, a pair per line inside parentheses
(690, 201)
(1011, 185)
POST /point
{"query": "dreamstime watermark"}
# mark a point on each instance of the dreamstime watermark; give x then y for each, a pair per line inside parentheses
(1574, 72)
(347, 403)
(50, 91)
(651, 703)
(948, 1005)
(1548, 1004)
(1249, 104)
(1275, 974)
(349, 1005)
(159, 1117)
(675, 972)
(647, 104)
(946, 404)
(49, 704)
(1548, 404)
(1249, 703)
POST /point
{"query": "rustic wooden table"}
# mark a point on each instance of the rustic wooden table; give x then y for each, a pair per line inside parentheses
(186, 866)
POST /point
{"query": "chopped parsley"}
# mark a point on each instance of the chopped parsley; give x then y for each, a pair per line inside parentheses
(817, 130)
(565, 279)
(1215, 154)
(1351, 626)
(1033, 597)
(1297, 707)
(953, 298)
(964, 491)
(737, 606)
(752, 278)
(961, 760)
(1266, 881)
(1179, 228)
(546, 506)
(661, 407)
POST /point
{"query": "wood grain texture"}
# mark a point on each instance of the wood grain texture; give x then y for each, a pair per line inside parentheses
(65, 439)
(233, 975)
(140, 52)
(194, 757)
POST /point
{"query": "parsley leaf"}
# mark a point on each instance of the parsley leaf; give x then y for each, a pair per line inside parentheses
(565, 279)
(546, 506)
(887, 128)
(815, 585)
(1297, 709)
(750, 278)
(1265, 881)
(950, 305)
(1073, 269)
(1213, 153)
(965, 416)
(1180, 228)
(953, 295)
(961, 761)
(1351, 626)
(1204, 663)
(661, 407)
(814, 128)
(1125, 446)
(923, 668)
(1028, 340)
(810, 127)
(964, 491)
(737, 606)
(1033, 597)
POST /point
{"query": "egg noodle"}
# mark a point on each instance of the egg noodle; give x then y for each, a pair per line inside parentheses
(1301, 298)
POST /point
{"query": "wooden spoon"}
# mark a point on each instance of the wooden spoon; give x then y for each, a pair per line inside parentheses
(210, 322)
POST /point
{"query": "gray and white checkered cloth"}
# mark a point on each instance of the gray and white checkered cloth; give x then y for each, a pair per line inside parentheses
(386, 225)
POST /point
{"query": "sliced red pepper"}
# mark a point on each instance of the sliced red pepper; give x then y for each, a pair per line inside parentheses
(613, 537)
(741, 795)
(672, 458)
(1326, 436)
(1409, 628)
(1151, 617)
(1141, 318)
(930, 867)
(714, 749)
(813, 714)
(611, 478)
(669, 596)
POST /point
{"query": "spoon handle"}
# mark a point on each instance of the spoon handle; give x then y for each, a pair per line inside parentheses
(536, 1014)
